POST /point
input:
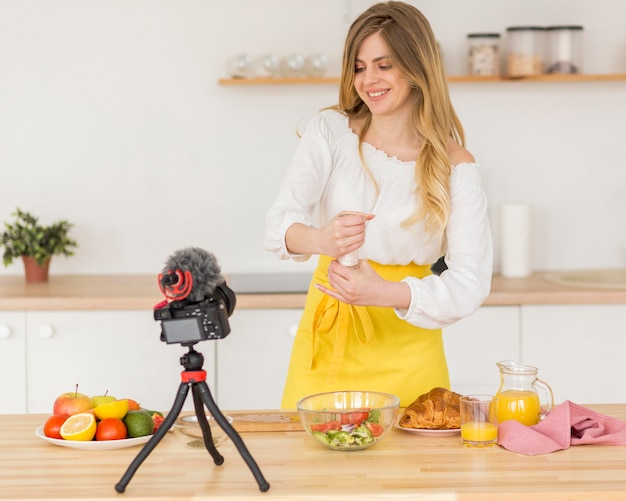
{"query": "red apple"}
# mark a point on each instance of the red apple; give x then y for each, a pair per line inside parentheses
(72, 403)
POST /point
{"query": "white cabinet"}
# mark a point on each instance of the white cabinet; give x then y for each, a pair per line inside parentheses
(118, 351)
(475, 344)
(12, 363)
(579, 350)
(252, 360)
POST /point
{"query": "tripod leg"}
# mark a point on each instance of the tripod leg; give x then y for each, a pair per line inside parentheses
(207, 436)
(207, 398)
(183, 390)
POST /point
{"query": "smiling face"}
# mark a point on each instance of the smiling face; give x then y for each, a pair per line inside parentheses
(378, 82)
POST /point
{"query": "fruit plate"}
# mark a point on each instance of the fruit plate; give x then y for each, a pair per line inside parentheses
(424, 431)
(93, 445)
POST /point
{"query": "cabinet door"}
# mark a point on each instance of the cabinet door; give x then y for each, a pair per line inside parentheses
(12, 363)
(579, 350)
(252, 361)
(118, 351)
(475, 344)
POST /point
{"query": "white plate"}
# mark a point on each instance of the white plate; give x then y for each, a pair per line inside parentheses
(423, 431)
(93, 445)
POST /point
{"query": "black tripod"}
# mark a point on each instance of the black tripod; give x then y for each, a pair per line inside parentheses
(195, 377)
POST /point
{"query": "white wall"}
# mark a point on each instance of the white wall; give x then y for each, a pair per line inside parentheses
(111, 117)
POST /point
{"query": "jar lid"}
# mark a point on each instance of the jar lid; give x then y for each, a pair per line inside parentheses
(525, 28)
(483, 35)
(565, 27)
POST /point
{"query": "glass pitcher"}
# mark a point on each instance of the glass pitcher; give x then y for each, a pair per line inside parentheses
(522, 395)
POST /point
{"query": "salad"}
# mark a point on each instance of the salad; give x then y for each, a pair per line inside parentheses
(349, 430)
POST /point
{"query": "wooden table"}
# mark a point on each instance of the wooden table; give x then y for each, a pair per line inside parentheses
(402, 466)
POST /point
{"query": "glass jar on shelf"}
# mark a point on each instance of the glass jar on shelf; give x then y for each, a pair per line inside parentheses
(525, 50)
(483, 58)
(564, 49)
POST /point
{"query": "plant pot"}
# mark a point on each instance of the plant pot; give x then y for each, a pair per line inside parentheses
(35, 272)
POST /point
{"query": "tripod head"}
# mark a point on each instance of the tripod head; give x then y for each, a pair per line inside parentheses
(192, 360)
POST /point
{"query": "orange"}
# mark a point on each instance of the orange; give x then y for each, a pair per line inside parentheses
(133, 405)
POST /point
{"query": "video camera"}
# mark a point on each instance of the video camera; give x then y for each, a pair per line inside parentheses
(196, 311)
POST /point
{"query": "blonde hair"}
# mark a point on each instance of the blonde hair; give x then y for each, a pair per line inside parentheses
(414, 50)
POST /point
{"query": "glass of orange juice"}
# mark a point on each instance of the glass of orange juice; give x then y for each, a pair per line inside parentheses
(479, 425)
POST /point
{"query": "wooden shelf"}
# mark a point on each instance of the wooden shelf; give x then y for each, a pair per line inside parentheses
(279, 81)
(452, 79)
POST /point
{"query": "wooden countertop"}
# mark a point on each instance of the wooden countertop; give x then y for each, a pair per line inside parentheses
(403, 466)
(139, 292)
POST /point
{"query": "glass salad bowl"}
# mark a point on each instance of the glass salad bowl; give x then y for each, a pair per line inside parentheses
(348, 420)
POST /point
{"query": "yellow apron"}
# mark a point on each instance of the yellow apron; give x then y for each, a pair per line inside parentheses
(344, 347)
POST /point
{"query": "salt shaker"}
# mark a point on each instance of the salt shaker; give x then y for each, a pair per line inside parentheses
(351, 259)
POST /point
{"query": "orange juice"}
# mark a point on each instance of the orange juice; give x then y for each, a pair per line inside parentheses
(523, 406)
(479, 432)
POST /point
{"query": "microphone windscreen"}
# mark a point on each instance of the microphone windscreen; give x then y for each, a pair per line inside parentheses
(203, 267)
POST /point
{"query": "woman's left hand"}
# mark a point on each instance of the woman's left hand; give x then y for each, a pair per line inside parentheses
(362, 286)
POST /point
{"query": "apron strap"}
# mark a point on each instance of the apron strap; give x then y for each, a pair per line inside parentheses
(333, 316)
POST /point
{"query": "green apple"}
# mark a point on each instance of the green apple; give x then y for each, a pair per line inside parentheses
(102, 399)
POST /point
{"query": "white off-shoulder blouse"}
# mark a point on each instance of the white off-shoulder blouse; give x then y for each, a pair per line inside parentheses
(326, 177)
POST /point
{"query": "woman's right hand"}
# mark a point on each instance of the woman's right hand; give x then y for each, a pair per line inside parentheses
(344, 233)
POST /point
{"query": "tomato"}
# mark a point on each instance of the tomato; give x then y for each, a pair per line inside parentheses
(158, 420)
(355, 418)
(324, 427)
(52, 426)
(375, 428)
(111, 429)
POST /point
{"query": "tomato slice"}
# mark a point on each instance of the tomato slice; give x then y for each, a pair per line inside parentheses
(324, 427)
(355, 418)
(158, 420)
(375, 428)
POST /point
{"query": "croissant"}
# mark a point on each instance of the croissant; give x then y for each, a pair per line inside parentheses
(438, 409)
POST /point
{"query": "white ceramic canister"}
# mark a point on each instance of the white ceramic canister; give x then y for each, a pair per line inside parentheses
(564, 49)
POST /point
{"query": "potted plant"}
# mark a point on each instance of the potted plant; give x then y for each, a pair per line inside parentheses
(35, 244)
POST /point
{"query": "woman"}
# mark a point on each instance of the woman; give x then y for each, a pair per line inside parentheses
(383, 173)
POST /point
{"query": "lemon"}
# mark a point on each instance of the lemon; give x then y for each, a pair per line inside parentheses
(139, 424)
(79, 427)
(117, 409)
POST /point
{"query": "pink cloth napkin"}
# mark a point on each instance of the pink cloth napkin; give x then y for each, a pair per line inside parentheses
(567, 424)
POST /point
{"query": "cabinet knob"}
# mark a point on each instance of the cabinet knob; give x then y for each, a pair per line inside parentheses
(46, 331)
(5, 332)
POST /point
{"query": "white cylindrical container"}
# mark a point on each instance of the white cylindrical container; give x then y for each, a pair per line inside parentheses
(564, 49)
(515, 240)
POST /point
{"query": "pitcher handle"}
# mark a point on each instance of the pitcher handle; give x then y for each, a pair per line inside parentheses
(547, 402)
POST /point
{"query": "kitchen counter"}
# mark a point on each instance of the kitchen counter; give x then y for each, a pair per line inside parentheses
(403, 466)
(138, 292)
